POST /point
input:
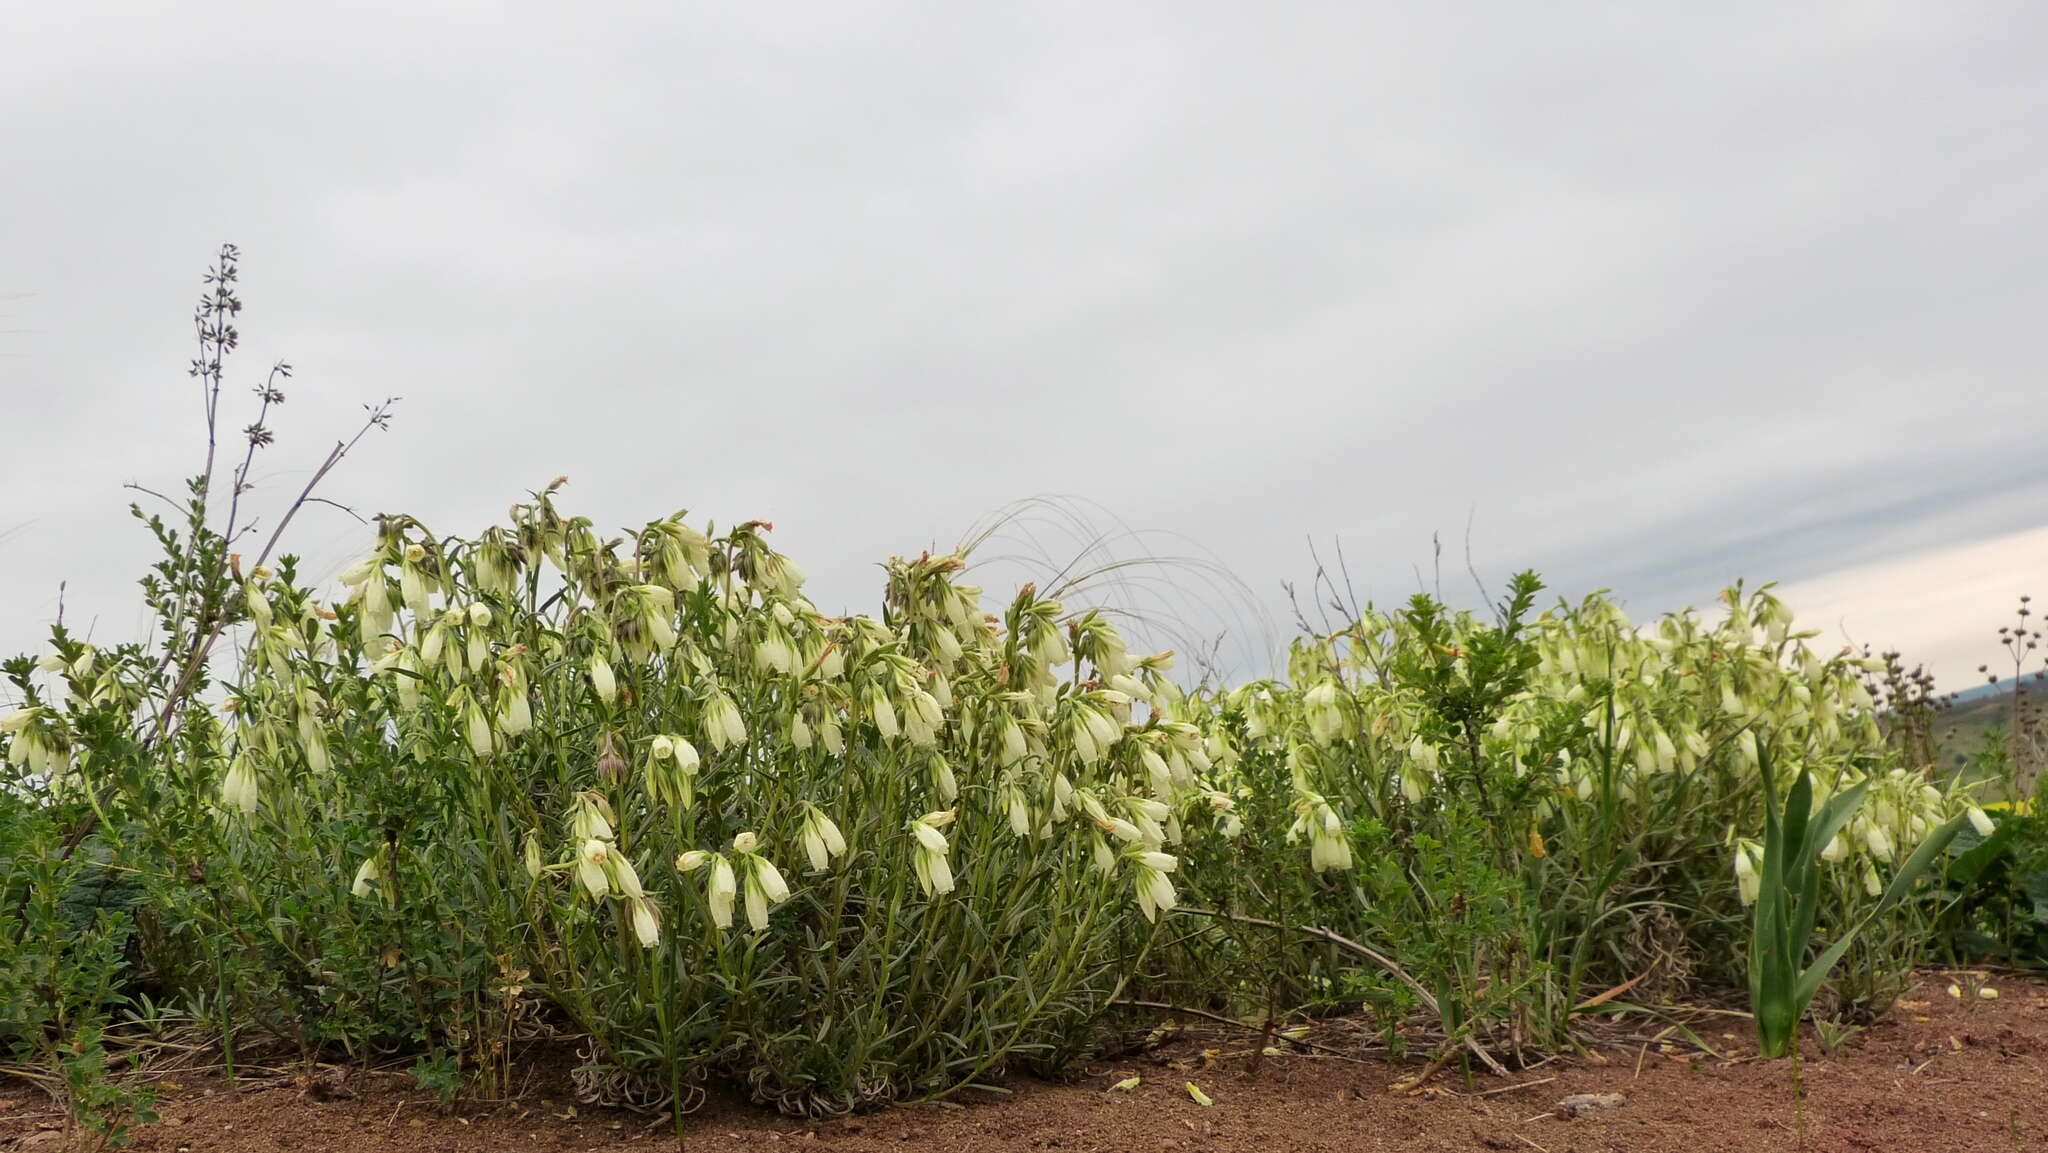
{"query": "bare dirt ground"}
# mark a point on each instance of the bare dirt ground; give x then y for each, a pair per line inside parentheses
(1940, 1074)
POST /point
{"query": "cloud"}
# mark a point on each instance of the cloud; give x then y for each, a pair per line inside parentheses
(1942, 607)
(1653, 300)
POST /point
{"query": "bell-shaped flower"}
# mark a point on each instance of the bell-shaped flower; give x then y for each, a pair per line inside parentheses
(671, 771)
(1325, 712)
(590, 816)
(765, 888)
(593, 859)
(883, 712)
(625, 879)
(1749, 879)
(1017, 810)
(1155, 892)
(720, 891)
(934, 871)
(239, 789)
(602, 680)
(723, 726)
(369, 878)
(645, 921)
(821, 839)
(943, 781)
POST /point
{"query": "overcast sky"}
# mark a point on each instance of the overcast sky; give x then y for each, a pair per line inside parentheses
(1654, 296)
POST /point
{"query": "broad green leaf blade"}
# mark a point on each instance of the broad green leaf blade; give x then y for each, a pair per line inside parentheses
(1810, 981)
(1921, 860)
(1836, 813)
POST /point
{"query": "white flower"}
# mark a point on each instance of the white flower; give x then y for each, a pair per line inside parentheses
(1101, 728)
(1981, 821)
(591, 859)
(407, 680)
(368, 876)
(1879, 843)
(943, 781)
(590, 817)
(1014, 746)
(672, 770)
(691, 861)
(765, 887)
(646, 924)
(1155, 891)
(934, 871)
(624, 877)
(821, 839)
(478, 729)
(1328, 847)
(1018, 810)
(1325, 715)
(721, 892)
(1748, 882)
(722, 723)
(238, 789)
(884, 714)
(602, 679)
(516, 716)
(411, 589)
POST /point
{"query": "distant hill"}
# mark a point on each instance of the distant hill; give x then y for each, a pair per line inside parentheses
(1977, 710)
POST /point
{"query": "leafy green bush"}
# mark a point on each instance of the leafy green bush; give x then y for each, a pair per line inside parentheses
(639, 787)
(1998, 888)
(1521, 812)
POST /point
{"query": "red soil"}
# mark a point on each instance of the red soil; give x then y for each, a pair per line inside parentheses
(1938, 1075)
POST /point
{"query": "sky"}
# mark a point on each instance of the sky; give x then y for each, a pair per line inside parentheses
(1647, 297)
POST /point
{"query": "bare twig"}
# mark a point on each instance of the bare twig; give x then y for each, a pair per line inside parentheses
(339, 505)
(1164, 1007)
(178, 505)
(1385, 962)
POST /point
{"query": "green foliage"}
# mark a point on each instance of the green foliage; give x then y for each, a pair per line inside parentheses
(1781, 981)
(1520, 812)
(99, 1103)
(1998, 888)
(65, 933)
(441, 1076)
